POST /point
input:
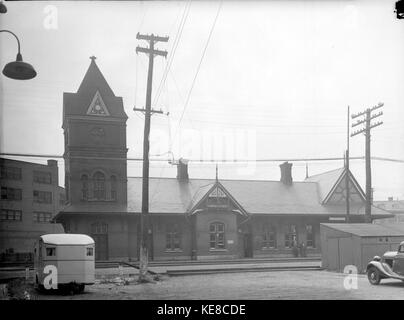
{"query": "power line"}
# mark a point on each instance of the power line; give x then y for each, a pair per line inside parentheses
(135, 159)
(173, 51)
(199, 66)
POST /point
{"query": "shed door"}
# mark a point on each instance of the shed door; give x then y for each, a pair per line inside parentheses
(345, 253)
(333, 254)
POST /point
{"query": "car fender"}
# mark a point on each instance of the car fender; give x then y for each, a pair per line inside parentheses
(379, 266)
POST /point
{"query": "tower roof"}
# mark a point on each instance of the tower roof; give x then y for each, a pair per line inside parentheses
(94, 80)
(93, 89)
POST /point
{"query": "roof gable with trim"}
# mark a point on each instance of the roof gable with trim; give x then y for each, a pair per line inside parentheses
(216, 198)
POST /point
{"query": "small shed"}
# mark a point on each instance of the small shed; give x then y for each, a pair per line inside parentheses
(356, 244)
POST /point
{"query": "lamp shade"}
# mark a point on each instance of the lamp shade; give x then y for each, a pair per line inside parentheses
(3, 8)
(19, 70)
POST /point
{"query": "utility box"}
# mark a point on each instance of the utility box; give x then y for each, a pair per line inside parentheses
(355, 244)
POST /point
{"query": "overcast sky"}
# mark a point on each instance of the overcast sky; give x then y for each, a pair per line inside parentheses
(275, 81)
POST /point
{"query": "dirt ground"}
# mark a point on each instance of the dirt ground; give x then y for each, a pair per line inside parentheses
(235, 286)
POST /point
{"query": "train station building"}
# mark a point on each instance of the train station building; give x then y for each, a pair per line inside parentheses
(189, 218)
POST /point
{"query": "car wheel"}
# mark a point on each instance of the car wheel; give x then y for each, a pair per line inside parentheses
(374, 276)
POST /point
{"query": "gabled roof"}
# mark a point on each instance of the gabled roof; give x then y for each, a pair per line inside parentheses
(93, 82)
(329, 181)
(203, 193)
(326, 181)
(170, 195)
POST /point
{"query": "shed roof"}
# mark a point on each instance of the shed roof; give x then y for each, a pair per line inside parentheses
(367, 229)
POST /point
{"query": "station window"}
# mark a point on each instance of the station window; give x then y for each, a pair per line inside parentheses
(268, 237)
(51, 252)
(90, 252)
(84, 187)
(99, 186)
(310, 239)
(291, 236)
(113, 187)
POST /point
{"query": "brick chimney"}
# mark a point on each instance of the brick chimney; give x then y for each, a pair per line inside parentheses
(286, 173)
(182, 170)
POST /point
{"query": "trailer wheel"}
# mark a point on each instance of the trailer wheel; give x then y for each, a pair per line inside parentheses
(374, 276)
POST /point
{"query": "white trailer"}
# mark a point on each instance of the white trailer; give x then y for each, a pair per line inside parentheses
(64, 260)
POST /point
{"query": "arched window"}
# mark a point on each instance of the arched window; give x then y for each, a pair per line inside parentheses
(268, 237)
(217, 235)
(99, 185)
(99, 228)
(113, 187)
(84, 187)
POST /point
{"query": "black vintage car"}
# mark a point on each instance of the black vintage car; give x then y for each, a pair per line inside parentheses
(391, 265)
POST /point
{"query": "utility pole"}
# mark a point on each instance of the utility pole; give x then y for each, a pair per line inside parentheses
(347, 175)
(144, 216)
(368, 117)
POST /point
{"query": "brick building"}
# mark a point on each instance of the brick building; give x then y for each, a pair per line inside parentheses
(30, 198)
(189, 218)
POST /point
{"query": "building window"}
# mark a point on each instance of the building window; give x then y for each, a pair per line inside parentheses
(310, 242)
(12, 173)
(99, 186)
(11, 193)
(113, 187)
(42, 217)
(11, 215)
(99, 228)
(291, 236)
(173, 238)
(217, 235)
(42, 177)
(84, 187)
(268, 237)
(42, 196)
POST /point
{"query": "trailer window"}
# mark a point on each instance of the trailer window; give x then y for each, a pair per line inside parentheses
(51, 252)
(90, 252)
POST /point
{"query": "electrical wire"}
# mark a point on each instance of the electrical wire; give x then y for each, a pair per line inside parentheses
(199, 66)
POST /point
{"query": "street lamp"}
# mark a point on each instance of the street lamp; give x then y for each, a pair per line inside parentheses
(3, 8)
(18, 70)
(400, 9)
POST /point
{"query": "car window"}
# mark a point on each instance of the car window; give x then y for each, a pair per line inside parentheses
(401, 249)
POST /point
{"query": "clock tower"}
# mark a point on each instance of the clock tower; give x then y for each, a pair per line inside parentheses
(94, 125)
